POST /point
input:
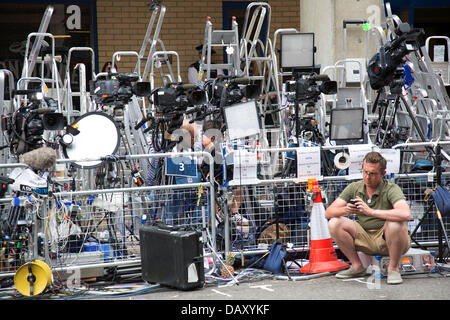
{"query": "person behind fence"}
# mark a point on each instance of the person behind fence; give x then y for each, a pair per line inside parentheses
(381, 225)
(107, 66)
(180, 206)
(212, 139)
(193, 70)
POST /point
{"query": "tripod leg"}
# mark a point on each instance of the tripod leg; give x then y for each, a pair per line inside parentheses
(427, 213)
(391, 121)
(286, 269)
(381, 120)
(442, 231)
(413, 118)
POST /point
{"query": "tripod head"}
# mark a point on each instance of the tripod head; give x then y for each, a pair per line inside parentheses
(395, 86)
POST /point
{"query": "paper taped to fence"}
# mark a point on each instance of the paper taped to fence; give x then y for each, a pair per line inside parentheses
(308, 163)
(357, 154)
(392, 157)
(244, 168)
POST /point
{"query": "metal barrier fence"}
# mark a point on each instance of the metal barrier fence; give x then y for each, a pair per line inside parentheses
(263, 203)
(94, 229)
(253, 226)
(100, 228)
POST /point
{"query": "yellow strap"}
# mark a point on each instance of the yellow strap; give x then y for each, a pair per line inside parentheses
(199, 194)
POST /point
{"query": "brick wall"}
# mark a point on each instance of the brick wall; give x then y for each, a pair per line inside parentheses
(121, 26)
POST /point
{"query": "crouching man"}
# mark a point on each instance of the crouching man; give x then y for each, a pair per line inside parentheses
(381, 227)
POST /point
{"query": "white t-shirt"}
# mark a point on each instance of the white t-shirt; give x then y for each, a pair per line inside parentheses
(193, 73)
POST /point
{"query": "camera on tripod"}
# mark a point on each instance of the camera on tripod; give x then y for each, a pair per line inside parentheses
(174, 98)
(25, 127)
(225, 91)
(119, 89)
(385, 67)
(307, 87)
(172, 102)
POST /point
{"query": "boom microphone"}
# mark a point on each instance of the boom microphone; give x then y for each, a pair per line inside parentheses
(39, 159)
(320, 77)
(241, 80)
(189, 86)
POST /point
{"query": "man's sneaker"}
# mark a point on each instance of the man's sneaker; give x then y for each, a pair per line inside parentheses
(350, 273)
(394, 277)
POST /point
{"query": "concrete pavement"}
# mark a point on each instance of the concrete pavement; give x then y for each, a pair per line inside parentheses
(431, 286)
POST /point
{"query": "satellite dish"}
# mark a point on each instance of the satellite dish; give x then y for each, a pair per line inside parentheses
(98, 136)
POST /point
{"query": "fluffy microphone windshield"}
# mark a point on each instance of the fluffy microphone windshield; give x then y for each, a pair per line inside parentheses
(39, 159)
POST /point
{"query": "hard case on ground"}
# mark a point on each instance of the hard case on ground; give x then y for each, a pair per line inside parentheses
(171, 256)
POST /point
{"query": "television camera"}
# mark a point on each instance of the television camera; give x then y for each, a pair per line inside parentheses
(172, 102)
(228, 90)
(307, 87)
(119, 89)
(385, 67)
(222, 92)
(25, 127)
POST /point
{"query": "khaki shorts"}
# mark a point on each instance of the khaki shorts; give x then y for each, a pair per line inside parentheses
(372, 242)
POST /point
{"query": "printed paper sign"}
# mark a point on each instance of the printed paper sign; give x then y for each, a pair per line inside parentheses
(308, 163)
(244, 168)
(392, 157)
(357, 154)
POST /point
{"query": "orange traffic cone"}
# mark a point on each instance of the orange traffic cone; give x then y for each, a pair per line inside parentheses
(322, 256)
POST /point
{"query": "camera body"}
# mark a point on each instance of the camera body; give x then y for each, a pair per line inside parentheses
(171, 100)
(119, 89)
(352, 201)
(308, 87)
(385, 67)
(174, 100)
(25, 127)
(226, 91)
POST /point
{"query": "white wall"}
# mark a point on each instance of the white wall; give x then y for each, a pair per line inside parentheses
(318, 16)
(325, 18)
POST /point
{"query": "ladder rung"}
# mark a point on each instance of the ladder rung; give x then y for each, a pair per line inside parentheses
(221, 66)
(255, 77)
(223, 31)
(224, 44)
(260, 59)
(227, 38)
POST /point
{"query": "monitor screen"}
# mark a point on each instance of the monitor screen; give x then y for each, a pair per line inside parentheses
(347, 124)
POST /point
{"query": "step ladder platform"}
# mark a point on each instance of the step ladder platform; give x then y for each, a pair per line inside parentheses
(221, 37)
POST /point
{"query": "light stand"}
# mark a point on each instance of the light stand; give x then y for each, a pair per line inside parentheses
(297, 120)
(226, 221)
(205, 237)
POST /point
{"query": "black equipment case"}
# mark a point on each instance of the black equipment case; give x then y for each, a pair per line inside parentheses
(172, 256)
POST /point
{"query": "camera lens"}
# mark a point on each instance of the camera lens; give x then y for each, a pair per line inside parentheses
(53, 121)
